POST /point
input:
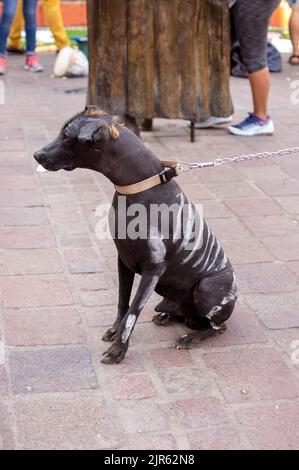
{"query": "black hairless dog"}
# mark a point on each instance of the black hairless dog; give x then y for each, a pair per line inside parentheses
(188, 267)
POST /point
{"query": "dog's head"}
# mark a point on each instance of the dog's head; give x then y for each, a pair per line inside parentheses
(81, 136)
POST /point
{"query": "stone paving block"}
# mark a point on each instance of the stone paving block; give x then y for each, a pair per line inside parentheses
(43, 327)
(131, 387)
(99, 316)
(23, 216)
(246, 251)
(196, 191)
(17, 183)
(94, 282)
(265, 278)
(188, 382)
(170, 357)
(28, 261)
(11, 145)
(148, 441)
(222, 437)
(272, 226)
(271, 426)
(253, 207)
(20, 198)
(289, 203)
(26, 237)
(143, 416)
(60, 369)
(284, 248)
(6, 432)
(251, 375)
(71, 422)
(226, 190)
(15, 156)
(284, 187)
(276, 310)
(229, 229)
(83, 260)
(98, 299)
(265, 172)
(215, 209)
(12, 168)
(34, 291)
(200, 412)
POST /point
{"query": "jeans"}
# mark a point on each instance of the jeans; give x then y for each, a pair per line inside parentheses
(29, 11)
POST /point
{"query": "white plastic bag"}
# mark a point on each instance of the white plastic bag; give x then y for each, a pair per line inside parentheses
(71, 62)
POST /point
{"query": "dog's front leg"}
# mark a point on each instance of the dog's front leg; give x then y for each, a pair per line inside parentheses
(125, 283)
(117, 351)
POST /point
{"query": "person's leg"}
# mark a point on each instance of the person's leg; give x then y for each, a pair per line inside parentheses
(29, 11)
(53, 15)
(9, 8)
(14, 40)
(260, 88)
(294, 34)
(32, 61)
(251, 22)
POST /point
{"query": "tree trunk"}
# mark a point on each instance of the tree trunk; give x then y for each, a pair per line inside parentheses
(160, 58)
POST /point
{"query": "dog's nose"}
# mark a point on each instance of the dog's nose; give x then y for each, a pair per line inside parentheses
(38, 155)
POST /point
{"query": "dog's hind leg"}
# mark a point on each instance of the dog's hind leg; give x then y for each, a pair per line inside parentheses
(125, 280)
(214, 300)
(169, 311)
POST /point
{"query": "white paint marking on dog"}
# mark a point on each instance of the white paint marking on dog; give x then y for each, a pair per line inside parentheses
(216, 256)
(131, 320)
(157, 248)
(213, 311)
(199, 238)
(210, 252)
(197, 262)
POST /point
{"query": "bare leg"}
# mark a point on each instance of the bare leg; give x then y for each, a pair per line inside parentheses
(260, 87)
(294, 34)
(125, 280)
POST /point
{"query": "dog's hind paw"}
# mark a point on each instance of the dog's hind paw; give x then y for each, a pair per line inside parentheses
(115, 354)
(110, 334)
(163, 319)
(196, 337)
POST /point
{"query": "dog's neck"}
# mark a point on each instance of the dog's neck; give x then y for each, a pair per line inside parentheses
(127, 160)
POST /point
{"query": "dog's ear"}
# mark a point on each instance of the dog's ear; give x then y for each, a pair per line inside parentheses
(95, 131)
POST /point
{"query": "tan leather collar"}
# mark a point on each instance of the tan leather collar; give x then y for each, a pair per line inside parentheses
(161, 178)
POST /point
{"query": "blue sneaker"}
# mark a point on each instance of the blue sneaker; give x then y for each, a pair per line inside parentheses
(253, 125)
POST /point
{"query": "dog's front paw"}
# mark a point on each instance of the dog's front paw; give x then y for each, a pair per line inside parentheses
(115, 354)
(110, 334)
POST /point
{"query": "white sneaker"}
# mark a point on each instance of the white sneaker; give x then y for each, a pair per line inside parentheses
(252, 126)
(212, 121)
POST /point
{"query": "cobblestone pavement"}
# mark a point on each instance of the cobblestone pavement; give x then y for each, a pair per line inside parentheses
(59, 289)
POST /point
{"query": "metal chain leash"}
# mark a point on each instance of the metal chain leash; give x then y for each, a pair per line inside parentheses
(187, 166)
